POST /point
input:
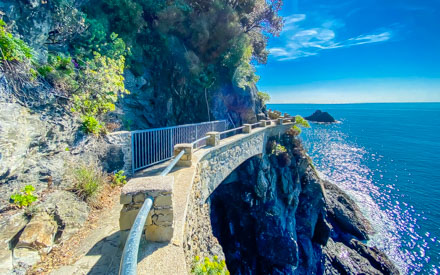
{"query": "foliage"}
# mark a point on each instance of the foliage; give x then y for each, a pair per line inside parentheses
(87, 180)
(279, 149)
(60, 71)
(91, 125)
(25, 198)
(206, 266)
(12, 48)
(119, 178)
(263, 96)
(100, 84)
(301, 122)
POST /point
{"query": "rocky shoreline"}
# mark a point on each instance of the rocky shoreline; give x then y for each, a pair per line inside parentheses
(274, 215)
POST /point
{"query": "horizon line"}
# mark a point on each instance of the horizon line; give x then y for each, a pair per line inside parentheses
(333, 103)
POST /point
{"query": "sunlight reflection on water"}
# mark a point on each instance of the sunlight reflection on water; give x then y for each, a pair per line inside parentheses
(343, 162)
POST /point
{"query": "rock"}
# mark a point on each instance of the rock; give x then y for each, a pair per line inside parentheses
(24, 258)
(377, 258)
(319, 116)
(10, 226)
(341, 259)
(39, 233)
(69, 212)
(345, 213)
(322, 231)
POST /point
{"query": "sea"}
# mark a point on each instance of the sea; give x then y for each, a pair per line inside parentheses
(386, 156)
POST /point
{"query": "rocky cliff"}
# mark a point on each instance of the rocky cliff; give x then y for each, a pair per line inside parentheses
(274, 215)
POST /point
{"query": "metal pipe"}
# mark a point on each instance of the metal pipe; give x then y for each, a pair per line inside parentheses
(231, 130)
(129, 255)
(172, 164)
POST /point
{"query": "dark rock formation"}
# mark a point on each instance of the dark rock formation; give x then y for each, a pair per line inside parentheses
(273, 218)
(319, 116)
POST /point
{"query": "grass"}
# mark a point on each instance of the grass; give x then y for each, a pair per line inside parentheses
(88, 180)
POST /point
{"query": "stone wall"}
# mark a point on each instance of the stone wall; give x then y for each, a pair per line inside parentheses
(119, 150)
(212, 169)
(159, 225)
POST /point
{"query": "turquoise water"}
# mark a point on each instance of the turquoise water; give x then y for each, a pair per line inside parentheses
(387, 157)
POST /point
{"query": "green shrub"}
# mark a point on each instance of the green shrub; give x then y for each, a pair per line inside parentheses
(301, 122)
(206, 266)
(87, 180)
(91, 125)
(264, 97)
(12, 48)
(60, 72)
(25, 198)
(119, 178)
(279, 149)
(100, 84)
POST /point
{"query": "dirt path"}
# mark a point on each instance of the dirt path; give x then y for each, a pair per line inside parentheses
(94, 249)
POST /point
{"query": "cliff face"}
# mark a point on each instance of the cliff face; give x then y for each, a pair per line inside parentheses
(274, 215)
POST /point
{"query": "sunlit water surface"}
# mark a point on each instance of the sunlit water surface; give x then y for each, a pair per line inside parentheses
(387, 157)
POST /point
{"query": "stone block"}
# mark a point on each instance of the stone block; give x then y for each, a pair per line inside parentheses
(150, 186)
(214, 138)
(262, 123)
(156, 233)
(127, 217)
(125, 199)
(247, 128)
(268, 122)
(280, 121)
(139, 198)
(162, 217)
(163, 201)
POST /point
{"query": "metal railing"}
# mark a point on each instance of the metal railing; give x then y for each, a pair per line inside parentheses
(227, 133)
(153, 146)
(128, 264)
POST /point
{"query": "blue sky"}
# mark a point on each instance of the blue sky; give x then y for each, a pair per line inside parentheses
(336, 51)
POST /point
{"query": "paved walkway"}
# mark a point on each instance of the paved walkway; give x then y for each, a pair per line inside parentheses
(99, 252)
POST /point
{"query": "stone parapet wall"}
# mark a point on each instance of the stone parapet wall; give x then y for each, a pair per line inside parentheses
(159, 225)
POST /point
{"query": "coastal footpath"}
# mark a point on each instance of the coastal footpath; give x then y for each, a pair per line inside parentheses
(74, 83)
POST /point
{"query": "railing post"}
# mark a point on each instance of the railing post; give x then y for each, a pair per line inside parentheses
(214, 138)
(280, 121)
(262, 123)
(247, 128)
(186, 159)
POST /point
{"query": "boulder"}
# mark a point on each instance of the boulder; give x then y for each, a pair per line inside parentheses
(39, 233)
(319, 116)
(9, 228)
(69, 212)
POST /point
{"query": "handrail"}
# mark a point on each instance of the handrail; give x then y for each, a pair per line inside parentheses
(200, 139)
(231, 130)
(172, 164)
(171, 127)
(129, 255)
